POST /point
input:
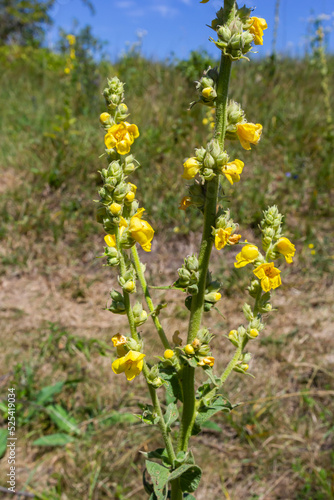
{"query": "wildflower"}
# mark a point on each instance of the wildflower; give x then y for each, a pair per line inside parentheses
(121, 136)
(191, 168)
(110, 239)
(209, 93)
(269, 276)
(132, 193)
(71, 39)
(141, 231)
(248, 254)
(185, 202)
(233, 170)
(131, 364)
(249, 133)
(168, 354)
(67, 71)
(223, 236)
(286, 248)
(118, 339)
(259, 24)
(207, 361)
(188, 349)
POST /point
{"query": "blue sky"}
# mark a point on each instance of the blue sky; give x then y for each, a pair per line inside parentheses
(179, 26)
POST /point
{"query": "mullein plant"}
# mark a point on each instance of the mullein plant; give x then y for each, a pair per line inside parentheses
(171, 471)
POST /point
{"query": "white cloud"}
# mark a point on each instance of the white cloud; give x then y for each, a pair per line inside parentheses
(125, 4)
(165, 10)
(187, 2)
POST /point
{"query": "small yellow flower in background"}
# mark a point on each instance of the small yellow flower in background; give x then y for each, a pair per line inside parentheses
(71, 39)
(168, 354)
(72, 54)
(286, 248)
(191, 168)
(110, 239)
(249, 133)
(185, 203)
(67, 71)
(311, 245)
(141, 231)
(233, 170)
(121, 136)
(207, 361)
(131, 364)
(119, 339)
(248, 254)
(269, 276)
(115, 208)
(205, 121)
(259, 24)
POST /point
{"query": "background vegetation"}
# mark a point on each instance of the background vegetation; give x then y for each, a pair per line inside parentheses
(76, 432)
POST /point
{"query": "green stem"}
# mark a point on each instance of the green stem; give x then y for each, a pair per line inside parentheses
(135, 336)
(210, 211)
(148, 299)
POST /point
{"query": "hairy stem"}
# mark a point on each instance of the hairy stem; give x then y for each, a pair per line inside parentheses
(210, 211)
(148, 299)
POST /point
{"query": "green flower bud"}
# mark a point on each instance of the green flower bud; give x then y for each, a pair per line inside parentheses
(248, 313)
(116, 296)
(117, 307)
(224, 34)
(254, 288)
(200, 154)
(236, 41)
(206, 82)
(184, 276)
(209, 161)
(191, 263)
(120, 192)
(192, 289)
(204, 336)
(133, 345)
(212, 297)
(213, 148)
(204, 350)
(208, 174)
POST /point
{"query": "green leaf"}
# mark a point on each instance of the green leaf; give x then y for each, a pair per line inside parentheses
(3, 441)
(159, 475)
(148, 416)
(62, 419)
(218, 404)
(46, 394)
(171, 415)
(159, 453)
(211, 426)
(173, 389)
(59, 439)
(190, 476)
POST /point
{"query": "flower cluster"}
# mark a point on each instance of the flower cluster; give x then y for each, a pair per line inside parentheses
(71, 57)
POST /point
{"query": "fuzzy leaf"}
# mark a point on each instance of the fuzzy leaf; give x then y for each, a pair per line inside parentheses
(171, 415)
(190, 476)
(159, 475)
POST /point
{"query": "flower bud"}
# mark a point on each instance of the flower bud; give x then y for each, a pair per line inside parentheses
(105, 118)
(115, 208)
(209, 161)
(191, 263)
(196, 343)
(188, 349)
(212, 297)
(248, 313)
(253, 333)
(224, 34)
(168, 354)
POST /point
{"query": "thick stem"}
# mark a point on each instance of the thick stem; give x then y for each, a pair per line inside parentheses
(148, 299)
(210, 211)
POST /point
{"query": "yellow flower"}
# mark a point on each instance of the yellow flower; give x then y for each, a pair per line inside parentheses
(71, 39)
(72, 54)
(185, 202)
(248, 254)
(121, 136)
(286, 248)
(221, 237)
(259, 24)
(191, 168)
(208, 92)
(141, 231)
(110, 239)
(67, 71)
(254, 333)
(205, 121)
(233, 170)
(269, 276)
(132, 193)
(207, 361)
(249, 133)
(168, 354)
(131, 364)
(119, 339)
